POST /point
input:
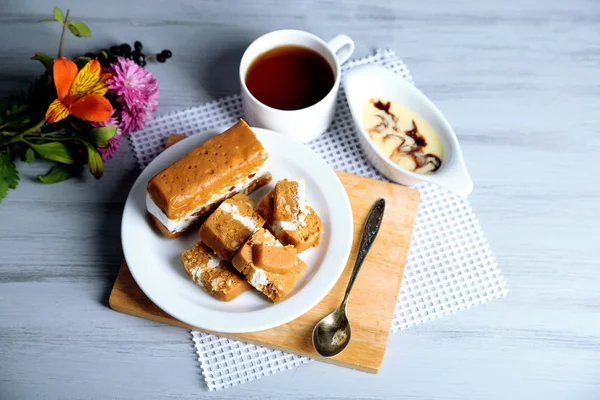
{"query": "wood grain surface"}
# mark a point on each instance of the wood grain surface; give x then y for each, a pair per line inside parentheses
(371, 305)
(518, 80)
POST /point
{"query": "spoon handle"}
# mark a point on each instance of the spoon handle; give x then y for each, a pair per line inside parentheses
(369, 233)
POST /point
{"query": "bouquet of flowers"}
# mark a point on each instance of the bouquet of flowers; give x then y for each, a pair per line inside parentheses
(78, 111)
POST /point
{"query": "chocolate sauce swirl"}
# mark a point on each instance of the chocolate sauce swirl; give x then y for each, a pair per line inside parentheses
(415, 150)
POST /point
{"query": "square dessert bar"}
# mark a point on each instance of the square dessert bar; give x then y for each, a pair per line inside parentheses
(276, 259)
(213, 274)
(275, 286)
(232, 223)
(192, 187)
(288, 215)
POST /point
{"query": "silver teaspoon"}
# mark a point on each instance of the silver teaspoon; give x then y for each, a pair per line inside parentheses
(332, 334)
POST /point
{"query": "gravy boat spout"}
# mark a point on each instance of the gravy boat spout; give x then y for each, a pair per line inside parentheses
(370, 81)
(454, 177)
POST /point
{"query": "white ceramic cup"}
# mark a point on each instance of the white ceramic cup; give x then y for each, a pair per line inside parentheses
(307, 123)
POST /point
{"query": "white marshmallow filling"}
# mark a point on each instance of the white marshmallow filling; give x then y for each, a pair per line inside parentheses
(181, 224)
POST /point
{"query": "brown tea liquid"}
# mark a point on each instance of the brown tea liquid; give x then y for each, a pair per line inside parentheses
(289, 78)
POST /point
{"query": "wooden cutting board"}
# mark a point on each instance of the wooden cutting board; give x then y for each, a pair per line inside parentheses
(373, 299)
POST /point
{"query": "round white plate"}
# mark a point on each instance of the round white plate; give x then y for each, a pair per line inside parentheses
(154, 261)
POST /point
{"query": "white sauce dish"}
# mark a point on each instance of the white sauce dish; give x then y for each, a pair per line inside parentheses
(364, 83)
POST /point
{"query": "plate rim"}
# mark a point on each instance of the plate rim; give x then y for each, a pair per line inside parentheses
(304, 304)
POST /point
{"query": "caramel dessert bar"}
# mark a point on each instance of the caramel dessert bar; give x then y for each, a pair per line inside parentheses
(232, 162)
(215, 275)
(276, 259)
(232, 223)
(275, 286)
(288, 215)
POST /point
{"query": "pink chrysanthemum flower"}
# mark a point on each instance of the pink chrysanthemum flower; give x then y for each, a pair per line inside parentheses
(137, 93)
(113, 143)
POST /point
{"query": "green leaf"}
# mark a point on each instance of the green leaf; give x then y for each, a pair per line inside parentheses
(54, 151)
(104, 133)
(74, 30)
(9, 176)
(57, 174)
(45, 59)
(79, 29)
(95, 163)
(58, 14)
(103, 144)
(29, 155)
(18, 108)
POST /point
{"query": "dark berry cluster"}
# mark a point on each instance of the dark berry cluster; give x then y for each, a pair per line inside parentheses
(124, 50)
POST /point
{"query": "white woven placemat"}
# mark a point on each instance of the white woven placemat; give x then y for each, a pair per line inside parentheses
(450, 266)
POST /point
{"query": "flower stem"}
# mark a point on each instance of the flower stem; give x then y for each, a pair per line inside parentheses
(62, 35)
(35, 128)
(20, 136)
(46, 134)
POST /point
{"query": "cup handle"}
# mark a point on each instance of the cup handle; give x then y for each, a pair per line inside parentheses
(342, 46)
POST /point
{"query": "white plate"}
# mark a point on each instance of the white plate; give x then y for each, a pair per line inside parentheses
(155, 263)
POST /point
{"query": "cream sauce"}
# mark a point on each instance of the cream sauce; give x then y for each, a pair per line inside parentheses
(403, 136)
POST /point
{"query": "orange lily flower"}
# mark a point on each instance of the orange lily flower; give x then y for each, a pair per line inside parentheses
(80, 93)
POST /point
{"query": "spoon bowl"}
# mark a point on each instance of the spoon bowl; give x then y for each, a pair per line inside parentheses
(332, 334)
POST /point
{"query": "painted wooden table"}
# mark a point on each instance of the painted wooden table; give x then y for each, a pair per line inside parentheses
(520, 82)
